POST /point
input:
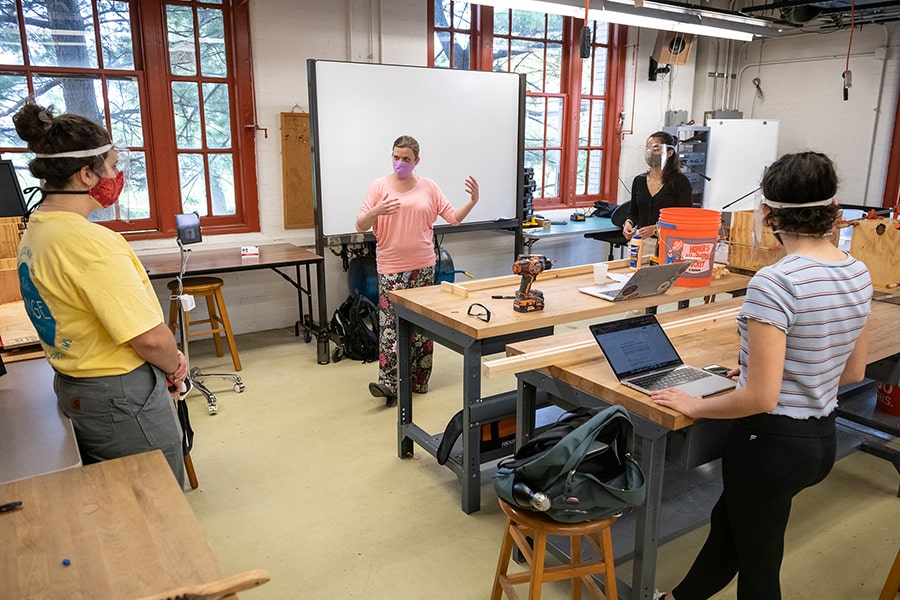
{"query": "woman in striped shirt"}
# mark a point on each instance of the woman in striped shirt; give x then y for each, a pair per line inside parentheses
(803, 334)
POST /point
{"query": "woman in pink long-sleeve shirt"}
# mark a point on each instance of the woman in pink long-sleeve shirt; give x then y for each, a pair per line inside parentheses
(401, 209)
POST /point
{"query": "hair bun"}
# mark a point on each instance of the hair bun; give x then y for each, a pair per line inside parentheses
(46, 119)
(33, 122)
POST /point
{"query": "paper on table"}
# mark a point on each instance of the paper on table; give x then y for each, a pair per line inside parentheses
(619, 277)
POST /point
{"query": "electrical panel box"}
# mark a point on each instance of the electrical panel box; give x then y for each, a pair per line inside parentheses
(693, 151)
(675, 117)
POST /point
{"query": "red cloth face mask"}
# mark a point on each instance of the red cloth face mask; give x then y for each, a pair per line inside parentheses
(107, 190)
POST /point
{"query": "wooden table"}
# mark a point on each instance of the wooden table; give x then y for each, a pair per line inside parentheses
(35, 437)
(124, 524)
(589, 382)
(271, 256)
(441, 315)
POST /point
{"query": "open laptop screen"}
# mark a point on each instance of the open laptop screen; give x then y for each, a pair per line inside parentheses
(635, 345)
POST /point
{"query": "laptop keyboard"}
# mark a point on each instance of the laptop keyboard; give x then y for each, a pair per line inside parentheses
(659, 381)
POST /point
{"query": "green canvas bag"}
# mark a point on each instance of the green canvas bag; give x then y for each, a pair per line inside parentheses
(579, 469)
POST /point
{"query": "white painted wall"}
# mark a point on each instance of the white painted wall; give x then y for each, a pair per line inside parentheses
(800, 77)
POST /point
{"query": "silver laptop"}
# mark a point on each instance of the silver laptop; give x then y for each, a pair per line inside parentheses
(646, 281)
(642, 357)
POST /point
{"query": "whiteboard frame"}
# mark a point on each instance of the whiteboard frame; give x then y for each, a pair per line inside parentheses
(358, 109)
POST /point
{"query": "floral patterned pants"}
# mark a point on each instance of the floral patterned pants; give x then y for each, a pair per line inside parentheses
(421, 347)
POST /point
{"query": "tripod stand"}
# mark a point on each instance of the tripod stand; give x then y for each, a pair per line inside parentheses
(195, 375)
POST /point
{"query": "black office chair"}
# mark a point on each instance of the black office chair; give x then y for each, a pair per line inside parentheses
(615, 239)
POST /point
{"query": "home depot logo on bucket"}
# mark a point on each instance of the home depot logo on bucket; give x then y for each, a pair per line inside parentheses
(887, 398)
(689, 234)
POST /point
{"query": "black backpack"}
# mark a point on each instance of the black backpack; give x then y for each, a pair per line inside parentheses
(579, 469)
(355, 322)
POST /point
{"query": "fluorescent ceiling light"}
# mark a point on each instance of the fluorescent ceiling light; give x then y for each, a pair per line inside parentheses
(651, 15)
(543, 6)
(612, 16)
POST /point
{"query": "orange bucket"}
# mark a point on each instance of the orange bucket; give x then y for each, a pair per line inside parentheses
(690, 233)
(887, 398)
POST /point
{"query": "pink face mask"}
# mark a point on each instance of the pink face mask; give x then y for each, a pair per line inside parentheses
(107, 190)
(403, 169)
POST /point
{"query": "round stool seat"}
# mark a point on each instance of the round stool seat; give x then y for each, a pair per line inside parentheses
(539, 521)
(196, 284)
(523, 524)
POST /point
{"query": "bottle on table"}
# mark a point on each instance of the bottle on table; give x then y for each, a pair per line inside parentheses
(635, 252)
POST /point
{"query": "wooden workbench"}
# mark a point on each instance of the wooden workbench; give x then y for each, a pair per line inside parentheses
(440, 312)
(587, 381)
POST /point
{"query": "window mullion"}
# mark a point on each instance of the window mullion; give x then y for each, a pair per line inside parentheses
(615, 91)
(571, 112)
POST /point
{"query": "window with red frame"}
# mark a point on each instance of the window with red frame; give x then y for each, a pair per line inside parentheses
(572, 104)
(166, 78)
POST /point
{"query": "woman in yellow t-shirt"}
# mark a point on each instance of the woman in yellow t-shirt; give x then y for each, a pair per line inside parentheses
(89, 298)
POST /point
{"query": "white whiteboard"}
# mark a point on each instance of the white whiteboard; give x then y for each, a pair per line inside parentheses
(739, 152)
(466, 123)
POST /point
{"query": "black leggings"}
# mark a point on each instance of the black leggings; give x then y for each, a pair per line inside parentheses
(766, 461)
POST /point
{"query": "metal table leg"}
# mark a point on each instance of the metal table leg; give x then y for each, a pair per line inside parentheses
(471, 467)
(646, 545)
(404, 387)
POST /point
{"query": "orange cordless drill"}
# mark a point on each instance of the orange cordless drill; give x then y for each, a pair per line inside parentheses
(529, 266)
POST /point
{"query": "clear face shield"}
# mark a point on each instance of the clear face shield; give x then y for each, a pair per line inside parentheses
(657, 155)
(113, 174)
(758, 216)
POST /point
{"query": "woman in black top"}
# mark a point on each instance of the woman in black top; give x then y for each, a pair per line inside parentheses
(663, 186)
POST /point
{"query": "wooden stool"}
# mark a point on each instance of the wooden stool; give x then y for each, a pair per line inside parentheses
(892, 584)
(522, 523)
(211, 289)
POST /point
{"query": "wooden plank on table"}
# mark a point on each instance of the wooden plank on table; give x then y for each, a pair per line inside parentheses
(563, 303)
(16, 330)
(9, 281)
(720, 343)
(571, 353)
(515, 280)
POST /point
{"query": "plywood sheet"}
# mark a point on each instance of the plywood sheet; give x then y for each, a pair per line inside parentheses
(16, 329)
(877, 243)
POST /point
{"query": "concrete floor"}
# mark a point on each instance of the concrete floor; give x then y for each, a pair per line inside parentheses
(300, 475)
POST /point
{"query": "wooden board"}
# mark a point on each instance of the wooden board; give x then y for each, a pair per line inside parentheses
(16, 329)
(9, 281)
(575, 352)
(296, 171)
(877, 243)
(11, 230)
(743, 252)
